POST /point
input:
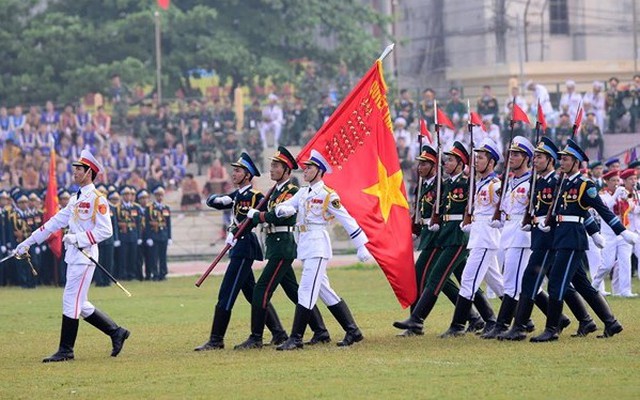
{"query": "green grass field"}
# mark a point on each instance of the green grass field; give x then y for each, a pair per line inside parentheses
(168, 319)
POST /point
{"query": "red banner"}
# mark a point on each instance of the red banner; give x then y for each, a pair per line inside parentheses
(541, 120)
(164, 4)
(358, 141)
(51, 207)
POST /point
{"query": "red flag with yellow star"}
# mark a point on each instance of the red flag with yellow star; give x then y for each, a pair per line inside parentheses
(358, 142)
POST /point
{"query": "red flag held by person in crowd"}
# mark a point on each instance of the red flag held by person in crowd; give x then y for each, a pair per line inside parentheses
(51, 208)
(443, 120)
(164, 4)
(424, 131)
(541, 120)
(476, 120)
(578, 120)
(358, 142)
(519, 114)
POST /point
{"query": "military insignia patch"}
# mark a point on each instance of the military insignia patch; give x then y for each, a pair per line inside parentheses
(102, 208)
(592, 192)
(336, 203)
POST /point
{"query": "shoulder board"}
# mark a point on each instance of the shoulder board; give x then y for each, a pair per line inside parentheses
(98, 193)
(291, 186)
(328, 189)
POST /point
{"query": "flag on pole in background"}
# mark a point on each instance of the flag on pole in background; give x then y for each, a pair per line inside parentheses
(519, 115)
(444, 120)
(476, 120)
(541, 120)
(424, 131)
(358, 142)
(164, 4)
(51, 207)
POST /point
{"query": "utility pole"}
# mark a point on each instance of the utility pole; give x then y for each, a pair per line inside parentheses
(501, 29)
(158, 59)
(635, 39)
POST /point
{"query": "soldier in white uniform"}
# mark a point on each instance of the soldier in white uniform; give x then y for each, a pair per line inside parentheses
(482, 263)
(617, 199)
(316, 205)
(89, 222)
(272, 120)
(515, 242)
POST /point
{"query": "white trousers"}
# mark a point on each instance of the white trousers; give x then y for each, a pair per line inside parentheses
(482, 264)
(594, 257)
(315, 282)
(76, 291)
(265, 127)
(620, 251)
(515, 262)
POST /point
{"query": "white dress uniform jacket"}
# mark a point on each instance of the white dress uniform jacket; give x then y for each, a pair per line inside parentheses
(514, 206)
(487, 196)
(316, 206)
(87, 216)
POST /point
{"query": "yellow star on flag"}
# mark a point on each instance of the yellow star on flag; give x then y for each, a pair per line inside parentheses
(387, 190)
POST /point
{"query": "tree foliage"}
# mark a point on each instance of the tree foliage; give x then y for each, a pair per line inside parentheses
(63, 49)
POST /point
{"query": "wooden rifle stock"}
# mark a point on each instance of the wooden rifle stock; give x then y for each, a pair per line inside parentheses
(241, 228)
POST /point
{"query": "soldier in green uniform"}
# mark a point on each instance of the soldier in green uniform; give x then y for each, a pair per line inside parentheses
(281, 251)
(488, 105)
(455, 108)
(427, 106)
(597, 169)
(452, 243)
(427, 195)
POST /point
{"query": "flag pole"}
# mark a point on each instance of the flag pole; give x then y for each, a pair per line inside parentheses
(158, 59)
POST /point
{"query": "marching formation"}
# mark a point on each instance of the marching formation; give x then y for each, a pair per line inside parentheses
(534, 223)
(511, 232)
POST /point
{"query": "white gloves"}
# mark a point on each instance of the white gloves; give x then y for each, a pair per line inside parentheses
(139, 242)
(70, 239)
(252, 212)
(598, 240)
(22, 249)
(543, 227)
(363, 254)
(149, 242)
(433, 227)
(525, 228)
(230, 240)
(496, 224)
(170, 242)
(465, 228)
(223, 200)
(116, 243)
(285, 211)
(3, 249)
(629, 237)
